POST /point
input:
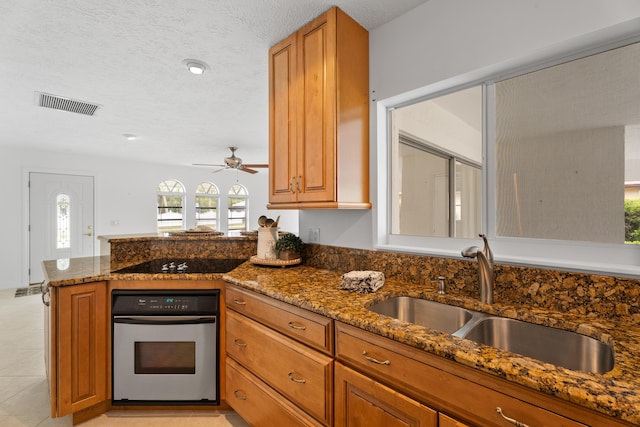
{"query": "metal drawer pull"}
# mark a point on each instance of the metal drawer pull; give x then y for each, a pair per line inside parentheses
(294, 379)
(371, 359)
(239, 343)
(510, 420)
(239, 396)
(239, 302)
(297, 326)
(293, 191)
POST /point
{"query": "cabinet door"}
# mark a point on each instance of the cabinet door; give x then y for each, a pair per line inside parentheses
(282, 121)
(361, 401)
(81, 347)
(316, 109)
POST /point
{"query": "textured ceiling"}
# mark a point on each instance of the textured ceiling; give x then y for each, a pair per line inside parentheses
(127, 56)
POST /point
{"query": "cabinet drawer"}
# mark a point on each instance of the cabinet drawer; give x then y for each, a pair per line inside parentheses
(258, 404)
(408, 369)
(302, 325)
(301, 374)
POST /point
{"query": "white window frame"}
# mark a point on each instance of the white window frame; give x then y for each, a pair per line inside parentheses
(208, 195)
(581, 256)
(246, 207)
(172, 194)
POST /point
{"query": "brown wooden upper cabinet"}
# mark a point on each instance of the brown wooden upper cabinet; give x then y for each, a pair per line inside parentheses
(319, 116)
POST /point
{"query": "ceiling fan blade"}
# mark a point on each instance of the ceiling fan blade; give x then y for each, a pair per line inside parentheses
(255, 165)
(219, 170)
(205, 164)
(243, 168)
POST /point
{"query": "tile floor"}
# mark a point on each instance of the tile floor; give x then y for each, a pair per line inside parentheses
(24, 397)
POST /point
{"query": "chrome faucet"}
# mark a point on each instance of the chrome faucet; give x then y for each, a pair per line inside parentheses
(485, 269)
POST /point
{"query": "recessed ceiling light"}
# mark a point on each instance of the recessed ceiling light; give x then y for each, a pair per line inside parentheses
(130, 136)
(195, 67)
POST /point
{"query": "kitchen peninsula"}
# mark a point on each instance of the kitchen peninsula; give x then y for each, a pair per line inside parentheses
(599, 306)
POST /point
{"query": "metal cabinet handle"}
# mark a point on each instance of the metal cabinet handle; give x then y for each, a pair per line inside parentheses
(298, 183)
(293, 191)
(294, 379)
(374, 360)
(239, 343)
(238, 395)
(44, 293)
(510, 420)
(88, 234)
(239, 302)
(298, 326)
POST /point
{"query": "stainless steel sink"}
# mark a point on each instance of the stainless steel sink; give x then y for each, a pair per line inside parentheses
(434, 315)
(558, 347)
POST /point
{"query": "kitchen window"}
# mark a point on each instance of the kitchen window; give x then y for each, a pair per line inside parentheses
(170, 216)
(237, 203)
(207, 197)
(560, 154)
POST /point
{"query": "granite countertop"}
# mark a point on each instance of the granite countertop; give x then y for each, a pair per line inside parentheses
(96, 269)
(616, 393)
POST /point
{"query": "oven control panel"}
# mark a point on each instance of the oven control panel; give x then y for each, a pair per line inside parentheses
(165, 302)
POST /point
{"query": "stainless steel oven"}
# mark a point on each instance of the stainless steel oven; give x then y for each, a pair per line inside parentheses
(165, 347)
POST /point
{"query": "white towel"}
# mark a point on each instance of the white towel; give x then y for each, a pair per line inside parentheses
(362, 281)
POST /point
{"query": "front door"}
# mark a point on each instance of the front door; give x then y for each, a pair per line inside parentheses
(60, 220)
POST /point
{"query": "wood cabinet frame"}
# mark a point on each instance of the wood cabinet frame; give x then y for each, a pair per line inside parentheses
(319, 116)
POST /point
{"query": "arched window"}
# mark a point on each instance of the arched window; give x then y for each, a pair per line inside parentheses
(170, 206)
(238, 207)
(207, 196)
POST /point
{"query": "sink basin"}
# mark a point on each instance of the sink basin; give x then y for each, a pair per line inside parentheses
(441, 317)
(558, 347)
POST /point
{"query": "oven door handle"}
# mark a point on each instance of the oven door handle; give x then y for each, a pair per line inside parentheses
(164, 320)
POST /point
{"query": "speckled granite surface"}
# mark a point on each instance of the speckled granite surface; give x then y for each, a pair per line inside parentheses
(133, 249)
(527, 287)
(604, 307)
(616, 393)
(96, 269)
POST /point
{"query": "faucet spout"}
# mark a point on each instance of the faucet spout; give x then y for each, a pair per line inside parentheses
(485, 268)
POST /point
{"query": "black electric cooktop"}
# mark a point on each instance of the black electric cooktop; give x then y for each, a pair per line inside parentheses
(182, 266)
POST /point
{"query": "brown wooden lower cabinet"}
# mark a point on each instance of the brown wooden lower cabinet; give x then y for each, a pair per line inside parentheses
(376, 381)
(78, 348)
(464, 393)
(78, 344)
(361, 401)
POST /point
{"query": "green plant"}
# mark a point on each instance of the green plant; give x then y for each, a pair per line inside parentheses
(289, 241)
(632, 221)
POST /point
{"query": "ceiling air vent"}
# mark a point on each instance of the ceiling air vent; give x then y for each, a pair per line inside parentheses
(56, 102)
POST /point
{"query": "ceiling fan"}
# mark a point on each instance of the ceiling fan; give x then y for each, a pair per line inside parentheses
(233, 162)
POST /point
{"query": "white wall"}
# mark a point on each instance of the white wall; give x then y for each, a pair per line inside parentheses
(444, 39)
(125, 192)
